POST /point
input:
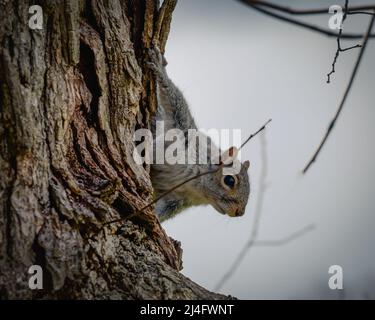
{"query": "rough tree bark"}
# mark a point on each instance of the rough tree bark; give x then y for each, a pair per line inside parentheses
(71, 96)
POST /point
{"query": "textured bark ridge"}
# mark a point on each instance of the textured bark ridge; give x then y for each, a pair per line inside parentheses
(71, 96)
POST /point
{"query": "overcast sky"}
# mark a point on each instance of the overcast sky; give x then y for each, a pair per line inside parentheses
(238, 68)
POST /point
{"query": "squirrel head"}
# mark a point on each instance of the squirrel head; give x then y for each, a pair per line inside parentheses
(228, 193)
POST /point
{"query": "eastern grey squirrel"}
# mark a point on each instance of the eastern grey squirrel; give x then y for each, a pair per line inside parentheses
(228, 194)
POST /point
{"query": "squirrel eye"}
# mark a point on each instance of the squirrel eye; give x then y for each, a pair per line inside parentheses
(229, 181)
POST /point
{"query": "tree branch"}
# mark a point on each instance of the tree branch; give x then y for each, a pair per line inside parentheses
(293, 11)
(286, 240)
(252, 241)
(257, 215)
(256, 5)
(346, 93)
(339, 49)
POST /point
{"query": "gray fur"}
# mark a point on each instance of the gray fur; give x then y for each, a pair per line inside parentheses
(208, 189)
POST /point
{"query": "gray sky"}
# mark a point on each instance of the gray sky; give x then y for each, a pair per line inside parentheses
(238, 68)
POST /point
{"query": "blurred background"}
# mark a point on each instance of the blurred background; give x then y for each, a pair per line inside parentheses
(238, 68)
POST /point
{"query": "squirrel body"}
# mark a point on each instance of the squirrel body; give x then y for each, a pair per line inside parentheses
(228, 194)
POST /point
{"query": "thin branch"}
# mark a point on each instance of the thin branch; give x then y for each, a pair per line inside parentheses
(254, 134)
(163, 195)
(252, 242)
(184, 182)
(339, 49)
(257, 6)
(346, 93)
(287, 239)
(257, 215)
(293, 11)
(360, 12)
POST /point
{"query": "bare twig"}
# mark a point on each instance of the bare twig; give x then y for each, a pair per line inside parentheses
(254, 134)
(339, 49)
(360, 12)
(346, 93)
(163, 195)
(256, 6)
(252, 241)
(184, 182)
(257, 214)
(293, 11)
(286, 240)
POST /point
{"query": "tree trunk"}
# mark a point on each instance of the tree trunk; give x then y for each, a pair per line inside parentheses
(72, 95)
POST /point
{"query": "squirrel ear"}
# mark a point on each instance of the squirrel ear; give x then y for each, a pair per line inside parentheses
(229, 156)
(246, 164)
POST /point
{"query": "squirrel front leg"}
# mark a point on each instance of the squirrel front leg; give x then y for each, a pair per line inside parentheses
(169, 207)
(171, 98)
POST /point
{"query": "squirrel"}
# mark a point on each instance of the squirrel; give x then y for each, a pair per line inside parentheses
(227, 193)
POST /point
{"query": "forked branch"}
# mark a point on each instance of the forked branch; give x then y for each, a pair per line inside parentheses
(346, 93)
(339, 48)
